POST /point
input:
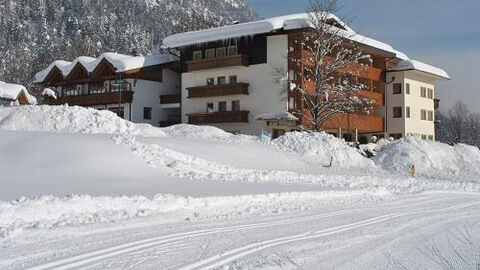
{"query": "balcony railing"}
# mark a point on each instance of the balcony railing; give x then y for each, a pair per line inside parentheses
(94, 99)
(170, 99)
(363, 123)
(218, 90)
(376, 96)
(226, 61)
(218, 117)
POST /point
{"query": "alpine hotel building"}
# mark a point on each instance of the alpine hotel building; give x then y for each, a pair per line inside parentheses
(228, 80)
(228, 77)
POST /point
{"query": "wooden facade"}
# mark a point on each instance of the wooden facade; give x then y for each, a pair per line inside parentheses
(371, 74)
(94, 99)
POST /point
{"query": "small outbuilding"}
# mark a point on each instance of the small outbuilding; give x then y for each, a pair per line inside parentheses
(14, 95)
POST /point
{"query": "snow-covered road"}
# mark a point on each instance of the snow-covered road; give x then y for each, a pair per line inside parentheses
(424, 231)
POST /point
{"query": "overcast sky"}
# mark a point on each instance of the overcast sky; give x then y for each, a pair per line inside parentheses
(444, 33)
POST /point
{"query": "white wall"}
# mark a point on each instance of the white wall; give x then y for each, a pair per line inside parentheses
(147, 94)
(265, 93)
(414, 124)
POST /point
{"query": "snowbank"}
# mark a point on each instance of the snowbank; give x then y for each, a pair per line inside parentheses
(431, 159)
(63, 119)
(49, 212)
(198, 132)
(322, 148)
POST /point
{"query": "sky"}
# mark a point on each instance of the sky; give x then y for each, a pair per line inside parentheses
(444, 33)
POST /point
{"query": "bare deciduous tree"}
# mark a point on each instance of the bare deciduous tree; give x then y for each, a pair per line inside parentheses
(332, 67)
(459, 125)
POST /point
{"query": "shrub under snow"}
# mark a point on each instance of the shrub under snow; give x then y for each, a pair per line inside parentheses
(323, 148)
(431, 159)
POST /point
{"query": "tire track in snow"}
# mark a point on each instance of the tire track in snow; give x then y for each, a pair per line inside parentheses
(227, 257)
(148, 243)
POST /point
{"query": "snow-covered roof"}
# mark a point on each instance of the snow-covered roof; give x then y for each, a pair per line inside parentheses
(292, 22)
(289, 22)
(121, 62)
(12, 91)
(276, 116)
(411, 64)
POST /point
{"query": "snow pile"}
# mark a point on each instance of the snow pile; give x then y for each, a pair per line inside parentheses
(372, 149)
(64, 119)
(49, 212)
(431, 159)
(323, 148)
(49, 93)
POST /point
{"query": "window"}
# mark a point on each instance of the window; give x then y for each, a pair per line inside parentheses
(430, 93)
(197, 55)
(221, 52)
(209, 107)
(147, 113)
(233, 79)
(236, 105)
(222, 106)
(407, 112)
(210, 81)
(407, 89)
(397, 88)
(118, 111)
(232, 50)
(423, 114)
(397, 112)
(430, 115)
(292, 76)
(430, 137)
(221, 80)
(424, 137)
(291, 103)
(423, 92)
(210, 53)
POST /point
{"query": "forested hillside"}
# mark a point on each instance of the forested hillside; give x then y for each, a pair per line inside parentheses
(35, 32)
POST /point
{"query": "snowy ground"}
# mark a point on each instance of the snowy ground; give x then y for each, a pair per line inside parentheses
(84, 189)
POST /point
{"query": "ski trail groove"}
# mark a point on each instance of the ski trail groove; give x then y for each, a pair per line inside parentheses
(227, 257)
(90, 257)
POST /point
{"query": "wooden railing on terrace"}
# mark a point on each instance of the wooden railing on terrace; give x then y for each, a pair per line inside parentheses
(218, 90)
(226, 61)
(218, 117)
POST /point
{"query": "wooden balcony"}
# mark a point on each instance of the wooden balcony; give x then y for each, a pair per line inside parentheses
(376, 96)
(218, 117)
(94, 99)
(170, 99)
(436, 103)
(363, 123)
(227, 61)
(218, 90)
